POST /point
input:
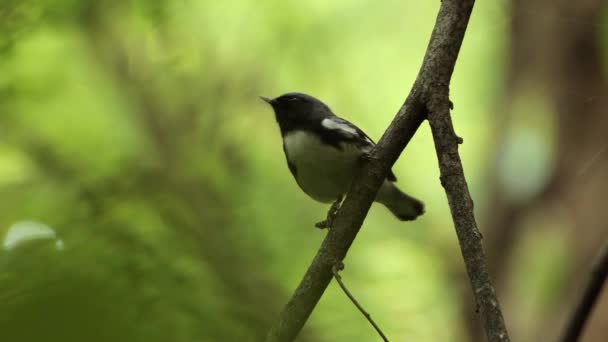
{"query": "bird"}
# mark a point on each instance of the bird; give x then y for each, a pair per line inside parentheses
(324, 153)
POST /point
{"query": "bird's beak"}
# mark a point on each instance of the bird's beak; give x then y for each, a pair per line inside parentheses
(265, 99)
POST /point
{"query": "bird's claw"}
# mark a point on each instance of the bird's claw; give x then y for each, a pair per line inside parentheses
(331, 215)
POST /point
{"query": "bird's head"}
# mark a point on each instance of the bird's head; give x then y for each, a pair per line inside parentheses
(297, 108)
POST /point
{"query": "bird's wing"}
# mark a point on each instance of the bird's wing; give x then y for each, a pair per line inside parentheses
(348, 132)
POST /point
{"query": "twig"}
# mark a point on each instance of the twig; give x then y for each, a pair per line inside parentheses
(430, 92)
(336, 272)
(599, 273)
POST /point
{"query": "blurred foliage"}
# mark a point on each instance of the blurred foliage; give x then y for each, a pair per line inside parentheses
(133, 129)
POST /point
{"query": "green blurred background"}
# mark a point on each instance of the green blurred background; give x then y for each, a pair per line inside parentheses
(144, 195)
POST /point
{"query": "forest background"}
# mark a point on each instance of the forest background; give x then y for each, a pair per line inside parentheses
(144, 195)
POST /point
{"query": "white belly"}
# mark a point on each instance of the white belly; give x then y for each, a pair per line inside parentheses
(324, 172)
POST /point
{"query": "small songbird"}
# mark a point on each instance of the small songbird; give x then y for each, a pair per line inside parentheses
(324, 153)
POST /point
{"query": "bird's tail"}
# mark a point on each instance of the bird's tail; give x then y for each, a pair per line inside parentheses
(403, 206)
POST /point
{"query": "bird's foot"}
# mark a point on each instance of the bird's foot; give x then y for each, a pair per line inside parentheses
(331, 215)
(365, 158)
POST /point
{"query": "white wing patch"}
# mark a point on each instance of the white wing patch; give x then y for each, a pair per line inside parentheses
(335, 125)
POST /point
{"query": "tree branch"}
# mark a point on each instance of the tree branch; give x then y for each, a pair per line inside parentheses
(599, 273)
(461, 207)
(428, 95)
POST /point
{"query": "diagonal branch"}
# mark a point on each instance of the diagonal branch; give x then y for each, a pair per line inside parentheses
(461, 207)
(599, 274)
(428, 95)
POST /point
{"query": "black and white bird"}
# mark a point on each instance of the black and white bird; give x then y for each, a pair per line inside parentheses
(324, 151)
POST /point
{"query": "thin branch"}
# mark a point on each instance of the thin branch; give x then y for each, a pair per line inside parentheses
(461, 207)
(599, 273)
(429, 93)
(335, 270)
(455, 185)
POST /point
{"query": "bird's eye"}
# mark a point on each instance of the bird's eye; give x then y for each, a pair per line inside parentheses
(293, 99)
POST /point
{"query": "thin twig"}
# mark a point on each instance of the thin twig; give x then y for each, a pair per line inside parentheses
(599, 273)
(592, 161)
(336, 271)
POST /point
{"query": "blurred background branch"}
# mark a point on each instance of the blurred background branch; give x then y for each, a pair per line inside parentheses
(592, 291)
